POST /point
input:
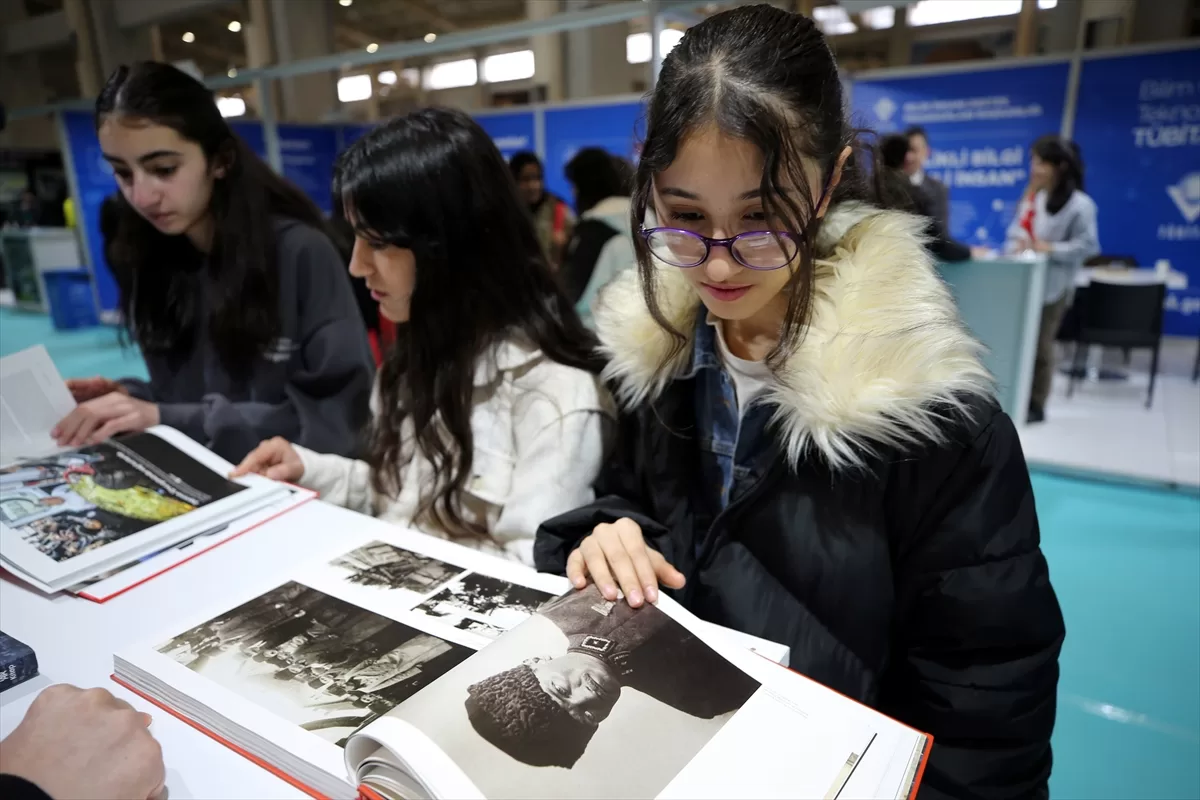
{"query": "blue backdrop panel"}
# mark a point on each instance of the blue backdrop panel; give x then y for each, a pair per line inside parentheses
(349, 134)
(512, 132)
(980, 127)
(94, 180)
(308, 152)
(1138, 125)
(618, 128)
(252, 134)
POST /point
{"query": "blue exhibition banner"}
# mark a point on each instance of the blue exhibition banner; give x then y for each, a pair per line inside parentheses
(94, 181)
(349, 134)
(252, 134)
(512, 131)
(308, 153)
(1138, 126)
(980, 125)
(619, 128)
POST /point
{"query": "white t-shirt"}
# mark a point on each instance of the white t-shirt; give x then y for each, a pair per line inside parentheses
(750, 378)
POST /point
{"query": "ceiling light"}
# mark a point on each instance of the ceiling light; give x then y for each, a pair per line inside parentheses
(345, 3)
(235, 26)
(232, 72)
(388, 76)
(430, 38)
(231, 106)
(189, 37)
(372, 47)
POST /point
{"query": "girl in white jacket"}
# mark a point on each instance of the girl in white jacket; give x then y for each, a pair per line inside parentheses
(487, 411)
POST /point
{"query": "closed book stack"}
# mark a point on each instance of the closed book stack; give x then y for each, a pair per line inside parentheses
(17, 662)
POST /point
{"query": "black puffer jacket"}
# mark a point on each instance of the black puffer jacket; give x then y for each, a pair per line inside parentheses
(888, 533)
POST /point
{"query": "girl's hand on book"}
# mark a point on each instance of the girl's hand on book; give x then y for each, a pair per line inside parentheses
(275, 459)
(617, 555)
(85, 744)
(104, 417)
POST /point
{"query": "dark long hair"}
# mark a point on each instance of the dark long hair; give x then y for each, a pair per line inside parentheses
(433, 182)
(157, 298)
(596, 175)
(1064, 156)
(766, 76)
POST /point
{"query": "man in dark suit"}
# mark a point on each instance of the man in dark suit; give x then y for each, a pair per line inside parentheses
(935, 190)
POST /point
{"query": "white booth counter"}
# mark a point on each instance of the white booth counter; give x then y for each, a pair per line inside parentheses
(1000, 300)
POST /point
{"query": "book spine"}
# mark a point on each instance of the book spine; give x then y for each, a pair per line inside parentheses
(19, 667)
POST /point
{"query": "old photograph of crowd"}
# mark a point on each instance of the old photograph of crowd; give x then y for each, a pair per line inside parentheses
(386, 567)
(76, 502)
(397, 581)
(483, 605)
(551, 709)
(317, 661)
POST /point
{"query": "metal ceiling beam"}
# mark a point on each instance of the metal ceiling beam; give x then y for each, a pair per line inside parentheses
(449, 43)
(430, 15)
(457, 42)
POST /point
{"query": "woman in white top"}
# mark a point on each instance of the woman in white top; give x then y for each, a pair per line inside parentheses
(487, 411)
(1059, 220)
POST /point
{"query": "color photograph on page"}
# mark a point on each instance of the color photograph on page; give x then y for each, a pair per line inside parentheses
(82, 500)
(69, 516)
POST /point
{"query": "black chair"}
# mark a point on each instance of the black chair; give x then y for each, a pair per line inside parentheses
(1118, 315)
(1103, 260)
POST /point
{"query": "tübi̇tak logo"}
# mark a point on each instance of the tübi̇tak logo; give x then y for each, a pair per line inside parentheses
(1186, 195)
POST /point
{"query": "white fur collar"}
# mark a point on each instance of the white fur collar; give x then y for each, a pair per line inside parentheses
(884, 361)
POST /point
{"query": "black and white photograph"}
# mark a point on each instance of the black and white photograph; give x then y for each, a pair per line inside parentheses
(387, 567)
(588, 698)
(483, 605)
(79, 501)
(324, 664)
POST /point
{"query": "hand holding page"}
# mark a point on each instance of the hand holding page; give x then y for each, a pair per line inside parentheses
(33, 398)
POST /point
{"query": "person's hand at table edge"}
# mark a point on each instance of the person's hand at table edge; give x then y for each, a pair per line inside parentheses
(76, 744)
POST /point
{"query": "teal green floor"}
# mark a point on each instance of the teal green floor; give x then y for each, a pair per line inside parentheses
(1126, 564)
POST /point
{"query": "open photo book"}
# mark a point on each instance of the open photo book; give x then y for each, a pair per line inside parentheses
(71, 518)
(398, 665)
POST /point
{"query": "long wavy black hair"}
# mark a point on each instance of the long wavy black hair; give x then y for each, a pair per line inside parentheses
(158, 298)
(767, 76)
(433, 182)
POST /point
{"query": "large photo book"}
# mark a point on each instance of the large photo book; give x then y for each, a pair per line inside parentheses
(70, 517)
(398, 665)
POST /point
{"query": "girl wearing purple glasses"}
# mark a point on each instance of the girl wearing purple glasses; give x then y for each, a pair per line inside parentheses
(488, 408)
(809, 449)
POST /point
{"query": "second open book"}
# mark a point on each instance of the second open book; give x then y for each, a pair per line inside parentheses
(406, 666)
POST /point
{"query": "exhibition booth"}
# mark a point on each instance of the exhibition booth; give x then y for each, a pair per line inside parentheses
(1133, 113)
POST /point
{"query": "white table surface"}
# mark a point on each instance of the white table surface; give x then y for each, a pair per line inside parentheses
(75, 640)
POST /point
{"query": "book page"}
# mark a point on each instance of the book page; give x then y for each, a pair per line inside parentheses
(313, 654)
(306, 662)
(122, 577)
(590, 698)
(33, 399)
(66, 516)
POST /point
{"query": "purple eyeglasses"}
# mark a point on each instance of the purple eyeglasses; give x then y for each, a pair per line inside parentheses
(761, 250)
